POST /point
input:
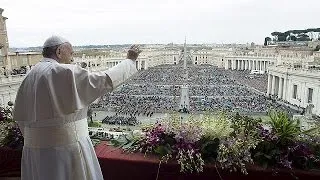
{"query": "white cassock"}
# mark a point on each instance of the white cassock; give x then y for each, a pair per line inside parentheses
(51, 110)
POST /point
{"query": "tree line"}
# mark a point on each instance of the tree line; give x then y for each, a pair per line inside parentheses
(295, 35)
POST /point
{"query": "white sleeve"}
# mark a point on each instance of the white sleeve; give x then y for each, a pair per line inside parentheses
(73, 88)
(79, 87)
(121, 72)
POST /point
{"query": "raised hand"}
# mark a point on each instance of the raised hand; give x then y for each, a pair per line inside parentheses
(133, 52)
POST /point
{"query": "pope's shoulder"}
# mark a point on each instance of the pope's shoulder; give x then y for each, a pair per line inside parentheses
(70, 69)
(51, 67)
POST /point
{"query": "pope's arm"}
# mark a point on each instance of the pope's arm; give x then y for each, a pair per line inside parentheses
(114, 77)
(69, 88)
(121, 72)
(78, 87)
(95, 86)
(91, 85)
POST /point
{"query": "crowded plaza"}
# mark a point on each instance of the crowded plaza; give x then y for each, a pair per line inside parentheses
(158, 90)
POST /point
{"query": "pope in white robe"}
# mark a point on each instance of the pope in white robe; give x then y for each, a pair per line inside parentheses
(51, 110)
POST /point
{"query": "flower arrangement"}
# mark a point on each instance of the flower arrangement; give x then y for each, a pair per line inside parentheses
(229, 141)
(10, 134)
(285, 145)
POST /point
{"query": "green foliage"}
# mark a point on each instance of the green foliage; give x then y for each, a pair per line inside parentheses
(163, 150)
(286, 129)
(216, 127)
(284, 145)
(282, 38)
(293, 38)
(10, 134)
(235, 154)
(276, 33)
(127, 142)
(266, 40)
(245, 126)
(232, 142)
(316, 148)
(95, 142)
(266, 154)
(295, 35)
(209, 149)
(94, 124)
(303, 37)
(190, 161)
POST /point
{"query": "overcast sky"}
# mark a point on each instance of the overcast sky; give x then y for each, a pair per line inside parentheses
(95, 22)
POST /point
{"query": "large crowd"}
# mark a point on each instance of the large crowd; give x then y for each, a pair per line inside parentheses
(256, 81)
(174, 75)
(148, 89)
(158, 90)
(204, 75)
(120, 120)
(220, 91)
(165, 74)
(249, 104)
(132, 105)
(175, 90)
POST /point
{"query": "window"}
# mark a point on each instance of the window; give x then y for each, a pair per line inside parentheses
(294, 95)
(310, 93)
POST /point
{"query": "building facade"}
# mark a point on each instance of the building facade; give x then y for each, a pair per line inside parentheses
(4, 43)
(298, 86)
(261, 58)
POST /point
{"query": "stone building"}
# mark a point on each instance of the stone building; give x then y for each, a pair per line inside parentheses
(298, 86)
(4, 44)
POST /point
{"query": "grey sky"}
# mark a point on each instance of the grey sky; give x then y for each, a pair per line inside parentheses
(86, 22)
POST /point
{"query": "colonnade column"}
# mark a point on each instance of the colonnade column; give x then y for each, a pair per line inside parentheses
(269, 84)
(273, 85)
(280, 93)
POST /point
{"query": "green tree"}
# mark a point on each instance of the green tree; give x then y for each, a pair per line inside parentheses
(279, 36)
(276, 33)
(266, 39)
(282, 37)
(293, 38)
(303, 37)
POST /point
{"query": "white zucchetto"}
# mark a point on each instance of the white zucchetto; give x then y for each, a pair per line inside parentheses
(54, 41)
